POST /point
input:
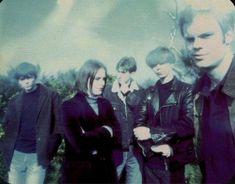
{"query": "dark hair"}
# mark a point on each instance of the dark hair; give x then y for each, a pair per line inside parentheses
(223, 12)
(87, 73)
(126, 64)
(24, 69)
(160, 55)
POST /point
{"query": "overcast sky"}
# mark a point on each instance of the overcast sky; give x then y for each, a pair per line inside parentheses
(62, 34)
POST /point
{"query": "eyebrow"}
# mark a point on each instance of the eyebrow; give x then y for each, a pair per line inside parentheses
(203, 35)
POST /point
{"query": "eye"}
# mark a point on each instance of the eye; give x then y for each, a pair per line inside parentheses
(97, 78)
(190, 39)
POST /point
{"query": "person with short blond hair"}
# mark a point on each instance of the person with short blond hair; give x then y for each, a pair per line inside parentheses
(164, 123)
(207, 28)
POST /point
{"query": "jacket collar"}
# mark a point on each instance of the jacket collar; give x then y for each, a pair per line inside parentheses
(228, 83)
(116, 87)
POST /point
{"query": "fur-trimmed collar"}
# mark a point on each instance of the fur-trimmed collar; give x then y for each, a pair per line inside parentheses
(116, 87)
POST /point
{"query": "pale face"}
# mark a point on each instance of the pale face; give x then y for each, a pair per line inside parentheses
(124, 77)
(99, 82)
(205, 41)
(162, 70)
(28, 84)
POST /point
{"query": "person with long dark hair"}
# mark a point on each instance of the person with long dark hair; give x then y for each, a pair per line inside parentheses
(90, 128)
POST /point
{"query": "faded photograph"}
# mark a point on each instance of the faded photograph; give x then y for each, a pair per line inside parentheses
(117, 91)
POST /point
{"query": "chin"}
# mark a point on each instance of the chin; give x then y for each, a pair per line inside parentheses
(97, 94)
(202, 65)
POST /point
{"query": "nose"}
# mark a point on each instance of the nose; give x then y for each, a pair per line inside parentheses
(197, 44)
(102, 83)
(27, 80)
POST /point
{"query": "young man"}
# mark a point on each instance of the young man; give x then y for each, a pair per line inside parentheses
(31, 127)
(208, 30)
(124, 95)
(165, 122)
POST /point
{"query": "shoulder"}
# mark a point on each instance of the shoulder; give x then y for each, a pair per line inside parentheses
(46, 90)
(72, 106)
(15, 98)
(148, 93)
(108, 87)
(77, 98)
(107, 91)
(150, 89)
(183, 85)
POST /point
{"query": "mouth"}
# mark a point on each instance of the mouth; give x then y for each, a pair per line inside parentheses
(100, 89)
(198, 57)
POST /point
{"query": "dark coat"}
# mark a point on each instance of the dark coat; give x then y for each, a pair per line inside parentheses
(47, 129)
(176, 116)
(88, 145)
(228, 89)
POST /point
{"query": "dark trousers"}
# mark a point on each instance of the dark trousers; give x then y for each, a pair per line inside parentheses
(156, 176)
(92, 171)
(163, 175)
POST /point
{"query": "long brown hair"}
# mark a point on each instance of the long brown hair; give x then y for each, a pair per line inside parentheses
(87, 73)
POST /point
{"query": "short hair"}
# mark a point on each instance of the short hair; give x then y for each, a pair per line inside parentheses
(223, 11)
(24, 69)
(126, 64)
(87, 73)
(160, 55)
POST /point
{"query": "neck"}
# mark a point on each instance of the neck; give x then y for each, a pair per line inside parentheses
(167, 79)
(128, 82)
(218, 73)
(91, 96)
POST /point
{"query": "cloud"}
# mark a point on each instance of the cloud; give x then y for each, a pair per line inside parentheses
(74, 31)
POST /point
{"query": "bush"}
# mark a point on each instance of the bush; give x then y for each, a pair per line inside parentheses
(64, 84)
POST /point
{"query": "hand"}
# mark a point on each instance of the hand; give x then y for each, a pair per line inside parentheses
(142, 133)
(165, 149)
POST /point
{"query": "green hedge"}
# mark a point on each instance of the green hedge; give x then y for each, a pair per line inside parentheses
(64, 83)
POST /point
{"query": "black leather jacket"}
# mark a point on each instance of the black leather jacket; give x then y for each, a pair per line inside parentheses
(124, 110)
(176, 115)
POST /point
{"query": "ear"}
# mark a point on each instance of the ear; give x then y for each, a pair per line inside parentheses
(229, 36)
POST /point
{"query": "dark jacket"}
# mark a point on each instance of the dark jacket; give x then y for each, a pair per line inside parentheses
(228, 89)
(47, 129)
(176, 116)
(124, 109)
(88, 145)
